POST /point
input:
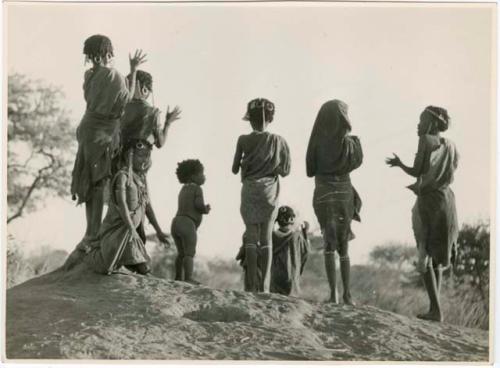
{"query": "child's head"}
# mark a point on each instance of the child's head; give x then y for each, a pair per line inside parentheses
(260, 112)
(190, 171)
(98, 49)
(137, 156)
(286, 216)
(144, 84)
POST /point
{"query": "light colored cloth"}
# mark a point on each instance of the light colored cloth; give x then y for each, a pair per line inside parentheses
(434, 216)
(114, 233)
(98, 139)
(259, 200)
(290, 251)
(269, 156)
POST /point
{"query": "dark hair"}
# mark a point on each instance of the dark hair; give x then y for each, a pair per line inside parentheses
(143, 78)
(255, 108)
(187, 168)
(285, 214)
(97, 46)
(439, 117)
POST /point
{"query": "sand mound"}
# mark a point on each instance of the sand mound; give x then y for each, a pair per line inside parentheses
(82, 315)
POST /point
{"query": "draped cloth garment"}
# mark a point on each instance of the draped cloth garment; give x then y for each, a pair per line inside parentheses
(98, 133)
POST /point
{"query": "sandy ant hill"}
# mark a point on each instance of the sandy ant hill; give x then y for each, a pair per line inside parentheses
(82, 315)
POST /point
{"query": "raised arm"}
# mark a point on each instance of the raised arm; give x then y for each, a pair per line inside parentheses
(237, 157)
(170, 117)
(418, 164)
(135, 61)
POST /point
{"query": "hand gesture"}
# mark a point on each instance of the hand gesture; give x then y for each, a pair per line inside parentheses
(207, 208)
(138, 59)
(165, 239)
(173, 115)
(393, 161)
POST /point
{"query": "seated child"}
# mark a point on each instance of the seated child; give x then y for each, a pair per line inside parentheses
(188, 218)
(120, 243)
(290, 249)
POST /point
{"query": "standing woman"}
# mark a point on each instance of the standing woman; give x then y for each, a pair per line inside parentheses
(434, 216)
(331, 155)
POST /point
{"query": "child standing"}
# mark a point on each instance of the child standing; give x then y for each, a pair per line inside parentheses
(290, 249)
(106, 93)
(191, 209)
(140, 121)
(262, 157)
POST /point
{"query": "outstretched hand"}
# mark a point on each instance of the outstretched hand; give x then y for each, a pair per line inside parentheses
(138, 59)
(393, 161)
(173, 115)
(165, 239)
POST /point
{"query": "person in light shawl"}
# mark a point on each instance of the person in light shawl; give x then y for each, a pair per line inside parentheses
(434, 215)
(290, 249)
(262, 158)
(106, 93)
(331, 155)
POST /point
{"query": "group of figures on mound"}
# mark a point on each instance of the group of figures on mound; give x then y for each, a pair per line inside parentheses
(120, 128)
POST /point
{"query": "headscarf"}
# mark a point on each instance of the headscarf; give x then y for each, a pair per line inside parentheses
(330, 149)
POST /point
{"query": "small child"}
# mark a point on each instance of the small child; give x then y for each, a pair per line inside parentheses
(263, 157)
(106, 93)
(188, 218)
(290, 249)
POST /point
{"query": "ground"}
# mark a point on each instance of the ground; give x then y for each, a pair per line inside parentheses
(82, 315)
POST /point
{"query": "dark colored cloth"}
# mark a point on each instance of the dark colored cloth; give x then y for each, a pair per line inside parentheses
(330, 150)
(264, 155)
(98, 133)
(140, 123)
(184, 233)
(290, 251)
(336, 203)
(191, 203)
(114, 233)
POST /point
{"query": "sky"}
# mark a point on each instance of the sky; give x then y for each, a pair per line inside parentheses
(386, 62)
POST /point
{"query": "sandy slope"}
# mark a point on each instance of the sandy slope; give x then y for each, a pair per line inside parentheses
(84, 315)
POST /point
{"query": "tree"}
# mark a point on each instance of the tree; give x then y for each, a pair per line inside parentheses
(391, 255)
(41, 144)
(472, 263)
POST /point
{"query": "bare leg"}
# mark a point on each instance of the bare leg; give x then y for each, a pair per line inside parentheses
(188, 263)
(331, 275)
(434, 313)
(266, 254)
(251, 238)
(97, 205)
(178, 267)
(438, 273)
(345, 272)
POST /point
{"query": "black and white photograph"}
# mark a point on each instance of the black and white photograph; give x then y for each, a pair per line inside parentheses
(303, 181)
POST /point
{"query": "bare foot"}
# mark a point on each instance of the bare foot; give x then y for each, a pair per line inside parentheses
(348, 300)
(193, 282)
(75, 258)
(431, 316)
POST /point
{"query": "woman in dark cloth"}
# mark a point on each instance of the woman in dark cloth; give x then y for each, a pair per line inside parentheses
(434, 216)
(106, 93)
(120, 243)
(331, 155)
(290, 248)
